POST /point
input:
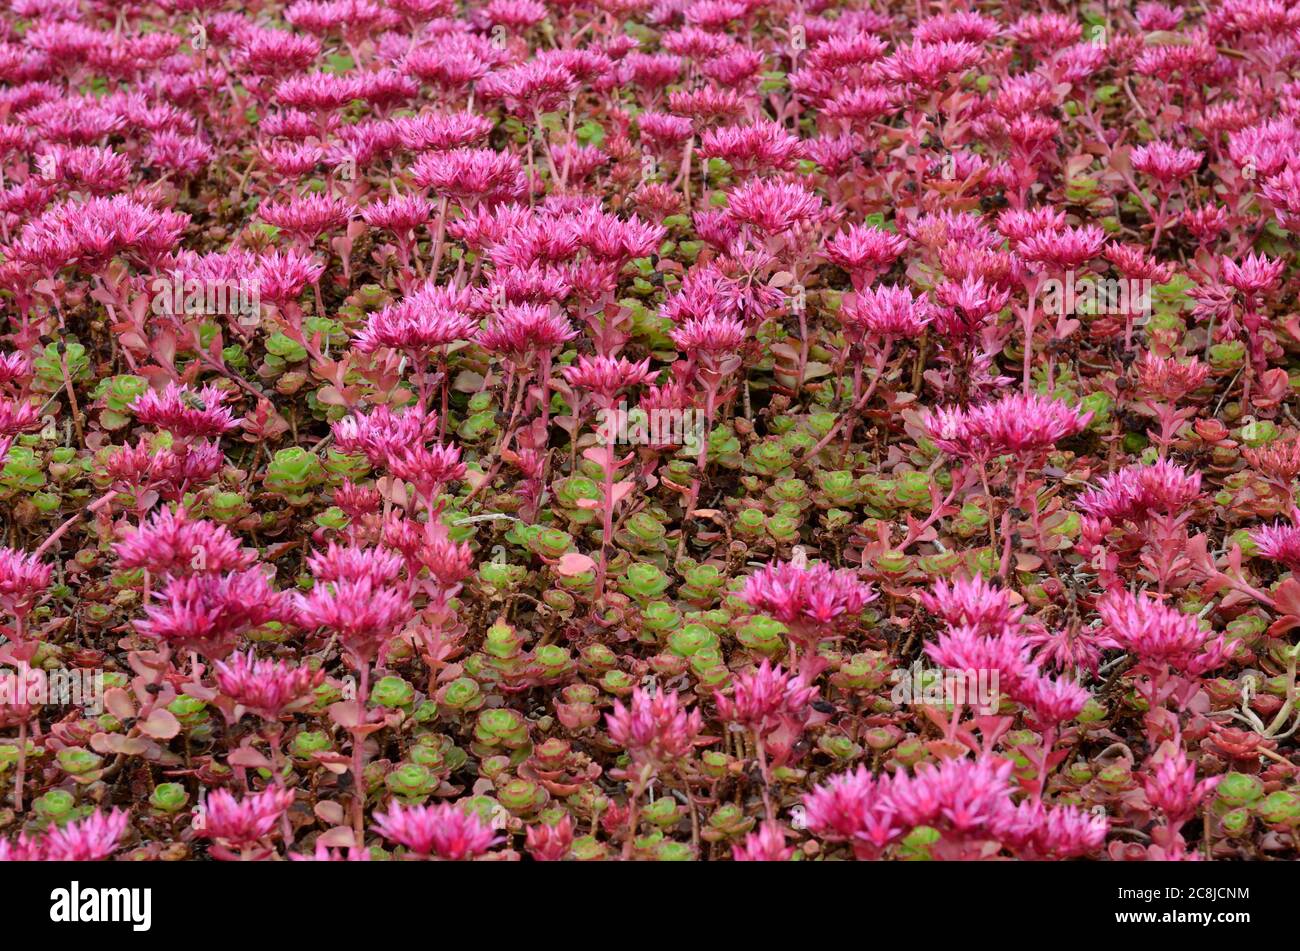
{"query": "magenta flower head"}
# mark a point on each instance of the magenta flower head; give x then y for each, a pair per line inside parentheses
(1137, 492)
(208, 613)
(764, 698)
(262, 686)
(1254, 274)
(816, 595)
(1171, 380)
(241, 825)
(1280, 542)
(186, 413)
(970, 797)
(765, 845)
(479, 174)
(23, 579)
(773, 207)
(888, 311)
(354, 563)
(711, 337)
(1172, 787)
(1158, 634)
(1057, 833)
(170, 543)
(307, 217)
(654, 728)
(422, 323)
(865, 251)
(1017, 423)
(91, 839)
(445, 831)
(523, 329)
(604, 376)
(363, 615)
(1167, 164)
(1065, 249)
(1050, 701)
(972, 601)
(854, 807)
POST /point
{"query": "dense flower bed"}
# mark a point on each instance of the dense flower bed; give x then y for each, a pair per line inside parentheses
(649, 429)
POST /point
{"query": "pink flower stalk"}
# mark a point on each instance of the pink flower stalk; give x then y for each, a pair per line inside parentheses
(446, 831)
(1050, 701)
(970, 797)
(241, 825)
(262, 686)
(765, 845)
(307, 217)
(712, 337)
(1063, 250)
(753, 146)
(1169, 379)
(169, 471)
(764, 698)
(1279, 461)
(479, 174)
(171, 543)
(963, 648)
(1057, 833)
(383, 434)
(654, 728)
(1068, 650)
(428, 468)
(186, 413)
(523, 329)
(1255, 274)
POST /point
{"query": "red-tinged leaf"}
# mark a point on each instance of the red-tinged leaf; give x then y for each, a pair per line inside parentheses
(249, 758)
(574, 563)
(330, 812)
(1287, 597)
(340, 837)
(345, 714)
(118, 702)
(620, 491)
(161, 724)
(115, 743)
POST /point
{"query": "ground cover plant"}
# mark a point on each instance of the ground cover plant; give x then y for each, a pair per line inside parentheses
(649, 430)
